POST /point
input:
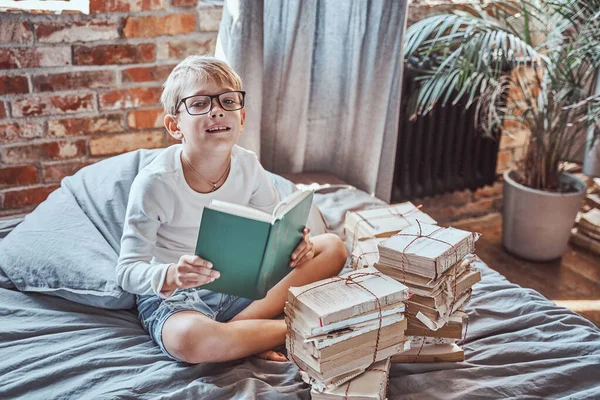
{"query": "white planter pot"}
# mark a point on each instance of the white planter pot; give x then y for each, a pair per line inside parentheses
(536, 225)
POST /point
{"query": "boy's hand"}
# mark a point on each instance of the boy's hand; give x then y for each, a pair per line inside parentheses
(190, 271)
(304, 251)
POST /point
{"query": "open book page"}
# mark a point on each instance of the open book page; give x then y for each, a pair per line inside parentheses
(288, 203)
(241, 211)
(280, 210)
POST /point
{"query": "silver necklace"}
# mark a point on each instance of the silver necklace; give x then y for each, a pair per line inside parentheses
(214, 184)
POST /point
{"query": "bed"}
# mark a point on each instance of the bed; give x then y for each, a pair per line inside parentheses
(68, 332)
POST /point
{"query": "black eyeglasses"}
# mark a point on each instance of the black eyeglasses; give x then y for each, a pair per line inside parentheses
(202, 104)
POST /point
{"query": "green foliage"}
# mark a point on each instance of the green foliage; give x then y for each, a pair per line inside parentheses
(546, 51)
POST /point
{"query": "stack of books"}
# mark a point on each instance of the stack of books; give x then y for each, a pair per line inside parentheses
(382, 222)
(436, 265)
(586, 232)
(339, 327)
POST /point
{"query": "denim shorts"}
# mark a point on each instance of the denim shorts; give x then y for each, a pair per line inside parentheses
(154, 311)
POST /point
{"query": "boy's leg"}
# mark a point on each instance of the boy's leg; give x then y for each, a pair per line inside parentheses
(195, 338)
(329, 259)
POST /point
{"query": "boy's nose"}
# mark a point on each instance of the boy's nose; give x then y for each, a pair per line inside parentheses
(215, 109)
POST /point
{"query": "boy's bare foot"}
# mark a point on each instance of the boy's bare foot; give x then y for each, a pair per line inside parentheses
(271, 356)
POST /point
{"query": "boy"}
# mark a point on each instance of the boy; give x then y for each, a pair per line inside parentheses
(205, 111)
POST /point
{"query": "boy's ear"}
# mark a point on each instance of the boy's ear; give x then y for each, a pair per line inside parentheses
(173, 127)
(243, 115)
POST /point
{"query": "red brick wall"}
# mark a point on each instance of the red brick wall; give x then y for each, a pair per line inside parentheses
(75, 89)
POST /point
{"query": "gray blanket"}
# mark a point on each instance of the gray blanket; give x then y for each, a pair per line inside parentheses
(518, 345)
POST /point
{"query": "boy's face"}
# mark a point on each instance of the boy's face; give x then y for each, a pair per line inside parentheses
(217, 130)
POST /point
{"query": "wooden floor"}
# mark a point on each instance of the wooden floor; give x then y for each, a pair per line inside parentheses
(572, 281)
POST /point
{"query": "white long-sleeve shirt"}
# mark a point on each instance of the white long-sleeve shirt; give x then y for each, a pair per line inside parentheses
(164, 212)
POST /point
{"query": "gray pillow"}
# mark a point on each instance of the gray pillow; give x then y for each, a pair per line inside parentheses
(69, 245)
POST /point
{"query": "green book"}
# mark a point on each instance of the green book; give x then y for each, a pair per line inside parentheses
(249, 247)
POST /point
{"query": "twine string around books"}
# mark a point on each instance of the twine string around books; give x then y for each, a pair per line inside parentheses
(348, 280)
(392, 213)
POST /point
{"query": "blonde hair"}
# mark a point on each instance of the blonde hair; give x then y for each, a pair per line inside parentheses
(195, 70)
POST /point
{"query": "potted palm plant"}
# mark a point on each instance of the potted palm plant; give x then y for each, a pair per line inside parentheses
(545, 54)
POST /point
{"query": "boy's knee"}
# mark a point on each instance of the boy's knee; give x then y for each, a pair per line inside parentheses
(192, 342)
(339, 254)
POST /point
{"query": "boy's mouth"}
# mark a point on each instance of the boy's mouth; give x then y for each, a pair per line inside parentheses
(215, 129)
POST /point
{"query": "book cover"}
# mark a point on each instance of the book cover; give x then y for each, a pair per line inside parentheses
(251, 249)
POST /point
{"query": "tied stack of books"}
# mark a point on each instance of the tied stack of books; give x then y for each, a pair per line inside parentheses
(366, 229)
(339, 327)
(436, 265)
(586, 232)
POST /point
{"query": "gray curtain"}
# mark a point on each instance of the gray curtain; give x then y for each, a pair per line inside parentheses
(324, 80)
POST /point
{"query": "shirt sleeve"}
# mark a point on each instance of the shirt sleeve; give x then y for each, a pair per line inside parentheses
(150, 204)
(264, 196)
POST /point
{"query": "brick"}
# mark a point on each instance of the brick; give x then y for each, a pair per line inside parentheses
(85, 126)
(80, 31)
(125, 6)
(34, 57)
(2, 110)
(182, 48)
(117, 144)
(519, 138)
(157, 73)
(114, 54)
(16, 132)
(184, 3)
(24, 197)
(209, 18)
(145, 119)
(13, 84)
(518, 153)
(16, 32)
(56, 171)
(57, 150)
(19, 176)
(504, 158)
(488, 191)
(151, 26)
(130, 98)
(49, 105)
(74, 80)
